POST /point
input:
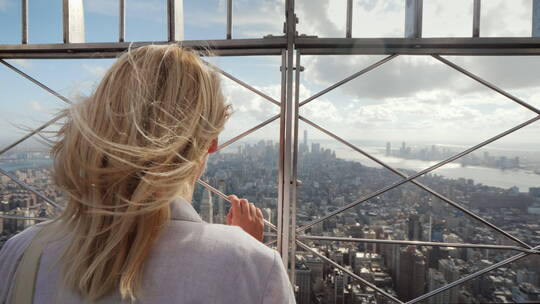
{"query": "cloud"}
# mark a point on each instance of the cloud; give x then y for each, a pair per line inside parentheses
(441, 18)
(248, 104)
(251, 18)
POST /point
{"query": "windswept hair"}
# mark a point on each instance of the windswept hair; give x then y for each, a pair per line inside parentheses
(123, 154)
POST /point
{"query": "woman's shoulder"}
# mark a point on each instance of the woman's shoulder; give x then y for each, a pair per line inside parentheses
(220, 238)
(19, 242)
(10, 255)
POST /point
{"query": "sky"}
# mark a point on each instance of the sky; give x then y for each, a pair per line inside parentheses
(410, 98)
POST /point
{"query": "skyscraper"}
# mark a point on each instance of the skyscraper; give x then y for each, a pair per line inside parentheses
(305, 138)
(415, 227)
(339, 288)
(221, 205)
(412, 269)
(207, 208)
(303, 281)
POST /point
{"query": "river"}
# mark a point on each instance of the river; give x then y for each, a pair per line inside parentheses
(522, 179)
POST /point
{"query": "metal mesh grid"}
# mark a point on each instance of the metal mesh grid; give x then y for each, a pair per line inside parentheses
(291, 47)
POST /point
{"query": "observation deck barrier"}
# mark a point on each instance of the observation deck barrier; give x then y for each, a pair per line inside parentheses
(291, 47)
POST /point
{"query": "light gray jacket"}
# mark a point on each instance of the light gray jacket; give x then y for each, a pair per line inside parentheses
(193, 262)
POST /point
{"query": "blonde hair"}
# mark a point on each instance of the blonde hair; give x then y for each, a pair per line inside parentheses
(124, 153)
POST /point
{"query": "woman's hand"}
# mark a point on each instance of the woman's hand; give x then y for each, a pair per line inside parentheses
(247, 216)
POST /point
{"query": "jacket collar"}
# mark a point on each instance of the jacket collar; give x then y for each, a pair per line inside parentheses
(182, 210)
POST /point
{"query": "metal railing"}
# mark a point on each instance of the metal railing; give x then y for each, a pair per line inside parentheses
(291, 47)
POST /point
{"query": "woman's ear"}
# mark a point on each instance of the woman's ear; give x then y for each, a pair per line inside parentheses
(213, 146)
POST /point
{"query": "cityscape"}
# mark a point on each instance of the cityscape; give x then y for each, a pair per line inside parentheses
(327, 183)
(436, 153)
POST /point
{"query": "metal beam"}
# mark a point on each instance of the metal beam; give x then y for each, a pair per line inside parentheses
(234, 47)
(309, 46)
(416, 243)
(348, 26)
(24, 21)
(536, 18)
(413, 18)
(476, 18)
(294, 173)
(483, 46)
(121, 20)
(73, 15)
(175, 20)
(21, 217)
(285, 185)
(229, 19)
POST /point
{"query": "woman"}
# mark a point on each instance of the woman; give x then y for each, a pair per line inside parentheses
(128, 158)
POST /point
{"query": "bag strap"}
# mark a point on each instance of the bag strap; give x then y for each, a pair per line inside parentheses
(25, 277)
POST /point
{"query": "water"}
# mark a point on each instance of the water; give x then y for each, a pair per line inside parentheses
(34, 163)
(522, 179)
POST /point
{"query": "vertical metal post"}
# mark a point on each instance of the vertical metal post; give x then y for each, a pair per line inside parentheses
(287, 127)
(175, 20)
(348, 33)
(229, 19)
(536, 18)
(476, 19)
(73, 15)
(282, 208)
(413, 19)
(24, 21)
(121, 20)
(294, 183)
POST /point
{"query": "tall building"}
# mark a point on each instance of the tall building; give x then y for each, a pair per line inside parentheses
(388, 149)
(412, 267)
(415, 227)
(305, 138)
(316, 266)
(339, 288)
(436, 280)
(303, 281)
(451, 273)
(207, 208)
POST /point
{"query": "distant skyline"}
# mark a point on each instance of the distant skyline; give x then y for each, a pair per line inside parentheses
(413, 99)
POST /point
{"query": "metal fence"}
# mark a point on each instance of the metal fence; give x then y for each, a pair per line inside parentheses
(291, 46)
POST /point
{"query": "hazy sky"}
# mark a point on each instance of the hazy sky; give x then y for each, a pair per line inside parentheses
(411, 98)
